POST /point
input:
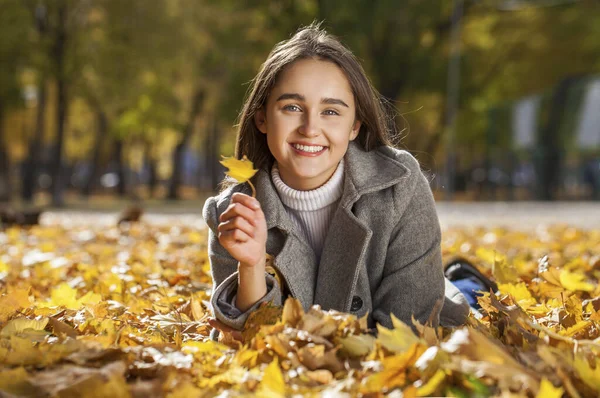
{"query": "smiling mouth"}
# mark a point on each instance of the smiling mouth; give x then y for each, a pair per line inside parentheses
(309, 148)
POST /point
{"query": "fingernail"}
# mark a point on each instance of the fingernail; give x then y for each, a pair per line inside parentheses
(256, 204)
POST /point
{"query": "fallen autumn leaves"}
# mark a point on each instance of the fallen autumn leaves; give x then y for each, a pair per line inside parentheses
(122, 312)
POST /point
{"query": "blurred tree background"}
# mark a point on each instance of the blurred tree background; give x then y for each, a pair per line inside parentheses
(138, 99)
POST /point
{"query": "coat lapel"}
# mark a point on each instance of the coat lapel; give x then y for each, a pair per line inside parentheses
(348, 237)
(296, 261)
(342, 255)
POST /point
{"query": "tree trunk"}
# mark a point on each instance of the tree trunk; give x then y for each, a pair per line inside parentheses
(5, 183)
(122, 183)
(152, 172)
(101, 131)
(61, 110)
(31, 168)
(175, 183)
(214, 167)
(549, 159)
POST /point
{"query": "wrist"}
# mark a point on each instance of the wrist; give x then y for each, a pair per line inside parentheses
(252, 268)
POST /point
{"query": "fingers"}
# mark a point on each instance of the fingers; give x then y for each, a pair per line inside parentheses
(238, 210)
(230, 238)
(242, 223)
(236, 334)
(246, 200)
(237, 223)
(218, 325)
(240, 220)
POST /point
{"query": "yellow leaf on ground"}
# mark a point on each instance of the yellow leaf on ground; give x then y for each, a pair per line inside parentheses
(399, 339)
(233, 376)
(272, 384)
(547, 390)
(519, 292)
(65, 295)
(589, 376)
(21, 351)
(358, 345)
(185, 391)
(394, 371)
(504, 272)
(21, 324)
(574, 281)
(266, 314)
(292, 312)
(16, 381)
(198, 348)
(12, 301)
(240, 170)
(90, 298)
(432, 384)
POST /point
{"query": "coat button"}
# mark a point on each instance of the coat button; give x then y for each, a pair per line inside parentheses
(357, 304)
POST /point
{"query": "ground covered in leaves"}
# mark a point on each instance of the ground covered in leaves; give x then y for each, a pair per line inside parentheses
(122, 311)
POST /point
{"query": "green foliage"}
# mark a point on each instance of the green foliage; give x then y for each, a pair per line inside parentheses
(14, 20)
(141, 65)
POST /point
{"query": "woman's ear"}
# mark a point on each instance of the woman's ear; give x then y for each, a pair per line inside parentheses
(355, 130)
(260, 120)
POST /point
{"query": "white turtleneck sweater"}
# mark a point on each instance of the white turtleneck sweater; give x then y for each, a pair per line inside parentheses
(312, 211)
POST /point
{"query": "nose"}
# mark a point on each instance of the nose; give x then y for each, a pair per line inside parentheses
(310, 126)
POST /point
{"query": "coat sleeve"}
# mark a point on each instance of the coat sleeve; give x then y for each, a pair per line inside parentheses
(225, 276)
(413, 282)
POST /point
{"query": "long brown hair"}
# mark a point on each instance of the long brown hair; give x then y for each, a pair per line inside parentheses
(377, 125)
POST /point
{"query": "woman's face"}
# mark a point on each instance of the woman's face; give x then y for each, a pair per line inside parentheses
(309, 119)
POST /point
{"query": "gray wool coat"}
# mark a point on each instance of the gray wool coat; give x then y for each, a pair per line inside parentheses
(381, 254)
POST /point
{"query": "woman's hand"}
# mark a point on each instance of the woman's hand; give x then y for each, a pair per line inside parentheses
(227, 335)
(243, 231)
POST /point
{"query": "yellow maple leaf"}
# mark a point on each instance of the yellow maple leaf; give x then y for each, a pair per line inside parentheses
(20, 351)
(589, 376)
(272, 384)
(520, 293)
(65, 295)
(504, 272)
(198, 348)
(358, 345)
(394, 371)
(21, 324)
(547, 390)
(399, 339)
(265, 314)
(14, 300)
(240, 170)
(574, 281)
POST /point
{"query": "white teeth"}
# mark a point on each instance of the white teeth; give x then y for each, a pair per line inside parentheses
(307, 148)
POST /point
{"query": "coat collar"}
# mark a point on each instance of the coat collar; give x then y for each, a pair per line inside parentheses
(344, 250)
(365, 172)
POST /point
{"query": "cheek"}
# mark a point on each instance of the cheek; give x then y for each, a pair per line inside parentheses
(283, 125)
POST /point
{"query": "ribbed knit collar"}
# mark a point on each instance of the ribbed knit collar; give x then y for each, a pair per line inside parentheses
(314, 199)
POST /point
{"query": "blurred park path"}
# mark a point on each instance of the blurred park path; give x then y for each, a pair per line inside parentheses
(515, 215)
(519, 215)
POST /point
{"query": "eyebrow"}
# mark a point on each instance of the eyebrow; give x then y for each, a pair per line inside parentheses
(298, 97)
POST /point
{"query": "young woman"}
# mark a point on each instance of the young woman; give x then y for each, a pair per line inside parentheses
(349, 220)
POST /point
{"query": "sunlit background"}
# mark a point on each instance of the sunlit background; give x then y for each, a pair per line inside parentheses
(104, 100)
